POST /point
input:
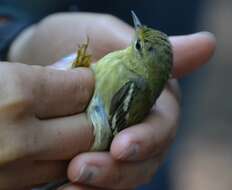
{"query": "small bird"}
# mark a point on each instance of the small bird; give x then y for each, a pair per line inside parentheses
(128, 82)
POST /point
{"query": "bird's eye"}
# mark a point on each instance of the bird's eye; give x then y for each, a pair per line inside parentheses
(138, 45)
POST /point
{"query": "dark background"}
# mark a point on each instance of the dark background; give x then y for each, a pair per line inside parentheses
(201, 157)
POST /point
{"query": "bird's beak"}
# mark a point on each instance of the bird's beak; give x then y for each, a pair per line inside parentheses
(137, 23)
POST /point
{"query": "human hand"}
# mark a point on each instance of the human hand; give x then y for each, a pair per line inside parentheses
(138, 151)
(160, 125)
(42, 124)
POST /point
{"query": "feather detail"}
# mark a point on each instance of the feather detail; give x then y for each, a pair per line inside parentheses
(102, 131)
(120, 106)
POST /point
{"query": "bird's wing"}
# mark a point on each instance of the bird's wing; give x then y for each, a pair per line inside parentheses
(121, 103)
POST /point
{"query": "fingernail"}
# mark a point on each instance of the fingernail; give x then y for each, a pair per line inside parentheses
(87, 174)
(130, 153)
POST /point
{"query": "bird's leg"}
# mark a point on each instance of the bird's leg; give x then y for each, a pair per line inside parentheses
(83, 59)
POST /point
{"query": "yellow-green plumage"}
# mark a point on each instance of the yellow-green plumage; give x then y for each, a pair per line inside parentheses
(128, 82)
(113, 72)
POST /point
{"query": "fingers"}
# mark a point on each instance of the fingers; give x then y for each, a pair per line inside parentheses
(101, 170)
(151, 137)
(191, 51)
(63, 138)
(51, 92)
(44, 92)
(60, 93)
(54, 139)
(22, 174)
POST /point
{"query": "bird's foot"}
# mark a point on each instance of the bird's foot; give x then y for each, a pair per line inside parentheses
(83, 59)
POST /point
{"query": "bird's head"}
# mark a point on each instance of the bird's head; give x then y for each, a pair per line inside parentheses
(151, 45)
